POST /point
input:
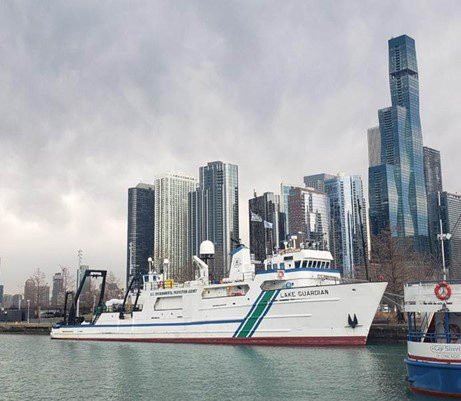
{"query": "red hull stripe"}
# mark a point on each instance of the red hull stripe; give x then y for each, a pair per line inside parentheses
(268, 341)
(434, 393)
(428, 358)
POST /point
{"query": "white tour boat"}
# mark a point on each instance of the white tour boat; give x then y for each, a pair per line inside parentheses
(297, 299)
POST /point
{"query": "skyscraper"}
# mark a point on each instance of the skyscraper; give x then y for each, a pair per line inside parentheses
(309, 213)
(451, 223)
(171, 221)
(140, 233)
(57, 293)
(317, 181)
(374, 146)
(214, 214)
(284, 194)
(264, 239)
(433, 179)
(347, 212)
(432, 170)
(402, 150)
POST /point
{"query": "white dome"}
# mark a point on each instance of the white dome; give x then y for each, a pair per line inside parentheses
(206, 248)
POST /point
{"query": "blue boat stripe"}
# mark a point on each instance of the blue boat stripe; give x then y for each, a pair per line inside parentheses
(264, 313)
(154, 324)
(299, 269)
(248, 314)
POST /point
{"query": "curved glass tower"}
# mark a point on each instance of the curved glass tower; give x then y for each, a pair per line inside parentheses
(401, 148)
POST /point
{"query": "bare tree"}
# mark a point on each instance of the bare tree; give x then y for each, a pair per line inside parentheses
(68, 280)
(38, 278)
(397, 262)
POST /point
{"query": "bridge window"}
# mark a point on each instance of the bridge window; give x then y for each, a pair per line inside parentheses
(297, 264)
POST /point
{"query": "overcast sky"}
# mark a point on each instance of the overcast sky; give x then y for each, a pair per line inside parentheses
(98, 96)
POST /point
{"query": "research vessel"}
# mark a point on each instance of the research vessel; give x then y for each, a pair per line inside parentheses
(296, 299)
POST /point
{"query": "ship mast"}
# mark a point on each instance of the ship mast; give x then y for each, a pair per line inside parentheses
(442, 237)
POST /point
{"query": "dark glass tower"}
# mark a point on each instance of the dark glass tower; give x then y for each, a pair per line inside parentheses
(402, 151)
(140, 229)
(214, 214)
(433, 178)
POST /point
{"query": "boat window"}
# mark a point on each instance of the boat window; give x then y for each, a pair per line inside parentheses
(304, 264)
(228, 291)
(309, 264)
(282, 265)
(168, 303)
(315, 263)
(274, 266)
(322, 265)
(297, 264)
(328, 265)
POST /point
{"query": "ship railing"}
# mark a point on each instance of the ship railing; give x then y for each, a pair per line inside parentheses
(432, 282)
(420, 336)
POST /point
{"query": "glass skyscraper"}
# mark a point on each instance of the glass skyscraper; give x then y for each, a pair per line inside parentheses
(451, 223)
(433, 177)
(214, 214)
(347, 211)
(140, 235)
(401, 154)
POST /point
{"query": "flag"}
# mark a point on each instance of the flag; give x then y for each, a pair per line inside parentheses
(267, 224)
(256, 217)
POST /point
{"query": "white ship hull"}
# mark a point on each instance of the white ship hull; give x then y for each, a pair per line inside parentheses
(307, 314)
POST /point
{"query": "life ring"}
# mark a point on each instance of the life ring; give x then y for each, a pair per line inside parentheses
(280, 273)
(442, 291)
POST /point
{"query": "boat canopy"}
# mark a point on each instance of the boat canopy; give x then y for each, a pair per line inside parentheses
(433, 296)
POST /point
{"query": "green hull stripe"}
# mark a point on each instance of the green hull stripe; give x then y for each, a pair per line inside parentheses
(251, 321)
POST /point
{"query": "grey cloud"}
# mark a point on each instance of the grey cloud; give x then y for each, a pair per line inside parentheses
(96, 96)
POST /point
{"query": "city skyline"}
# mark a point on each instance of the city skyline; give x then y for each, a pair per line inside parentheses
(190, 102)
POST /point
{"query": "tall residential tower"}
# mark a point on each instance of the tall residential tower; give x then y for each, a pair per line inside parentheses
(171, 222)
(397, 187)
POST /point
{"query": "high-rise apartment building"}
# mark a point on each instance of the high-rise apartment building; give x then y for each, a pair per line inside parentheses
(264, 238)
(347, 222)
(317, 181)
(140, 233)
(401, 153)
(214, 214)
(451, 223)
(309, 216)
(374, 146)
(172, 222)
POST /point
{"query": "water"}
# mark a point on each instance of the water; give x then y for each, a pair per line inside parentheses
(34, 367)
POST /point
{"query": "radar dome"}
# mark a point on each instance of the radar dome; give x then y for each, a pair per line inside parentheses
(206, 248)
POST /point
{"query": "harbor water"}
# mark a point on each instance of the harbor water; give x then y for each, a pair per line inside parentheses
(35, 367)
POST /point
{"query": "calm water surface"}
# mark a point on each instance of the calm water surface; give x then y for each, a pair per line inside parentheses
(36, 368)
